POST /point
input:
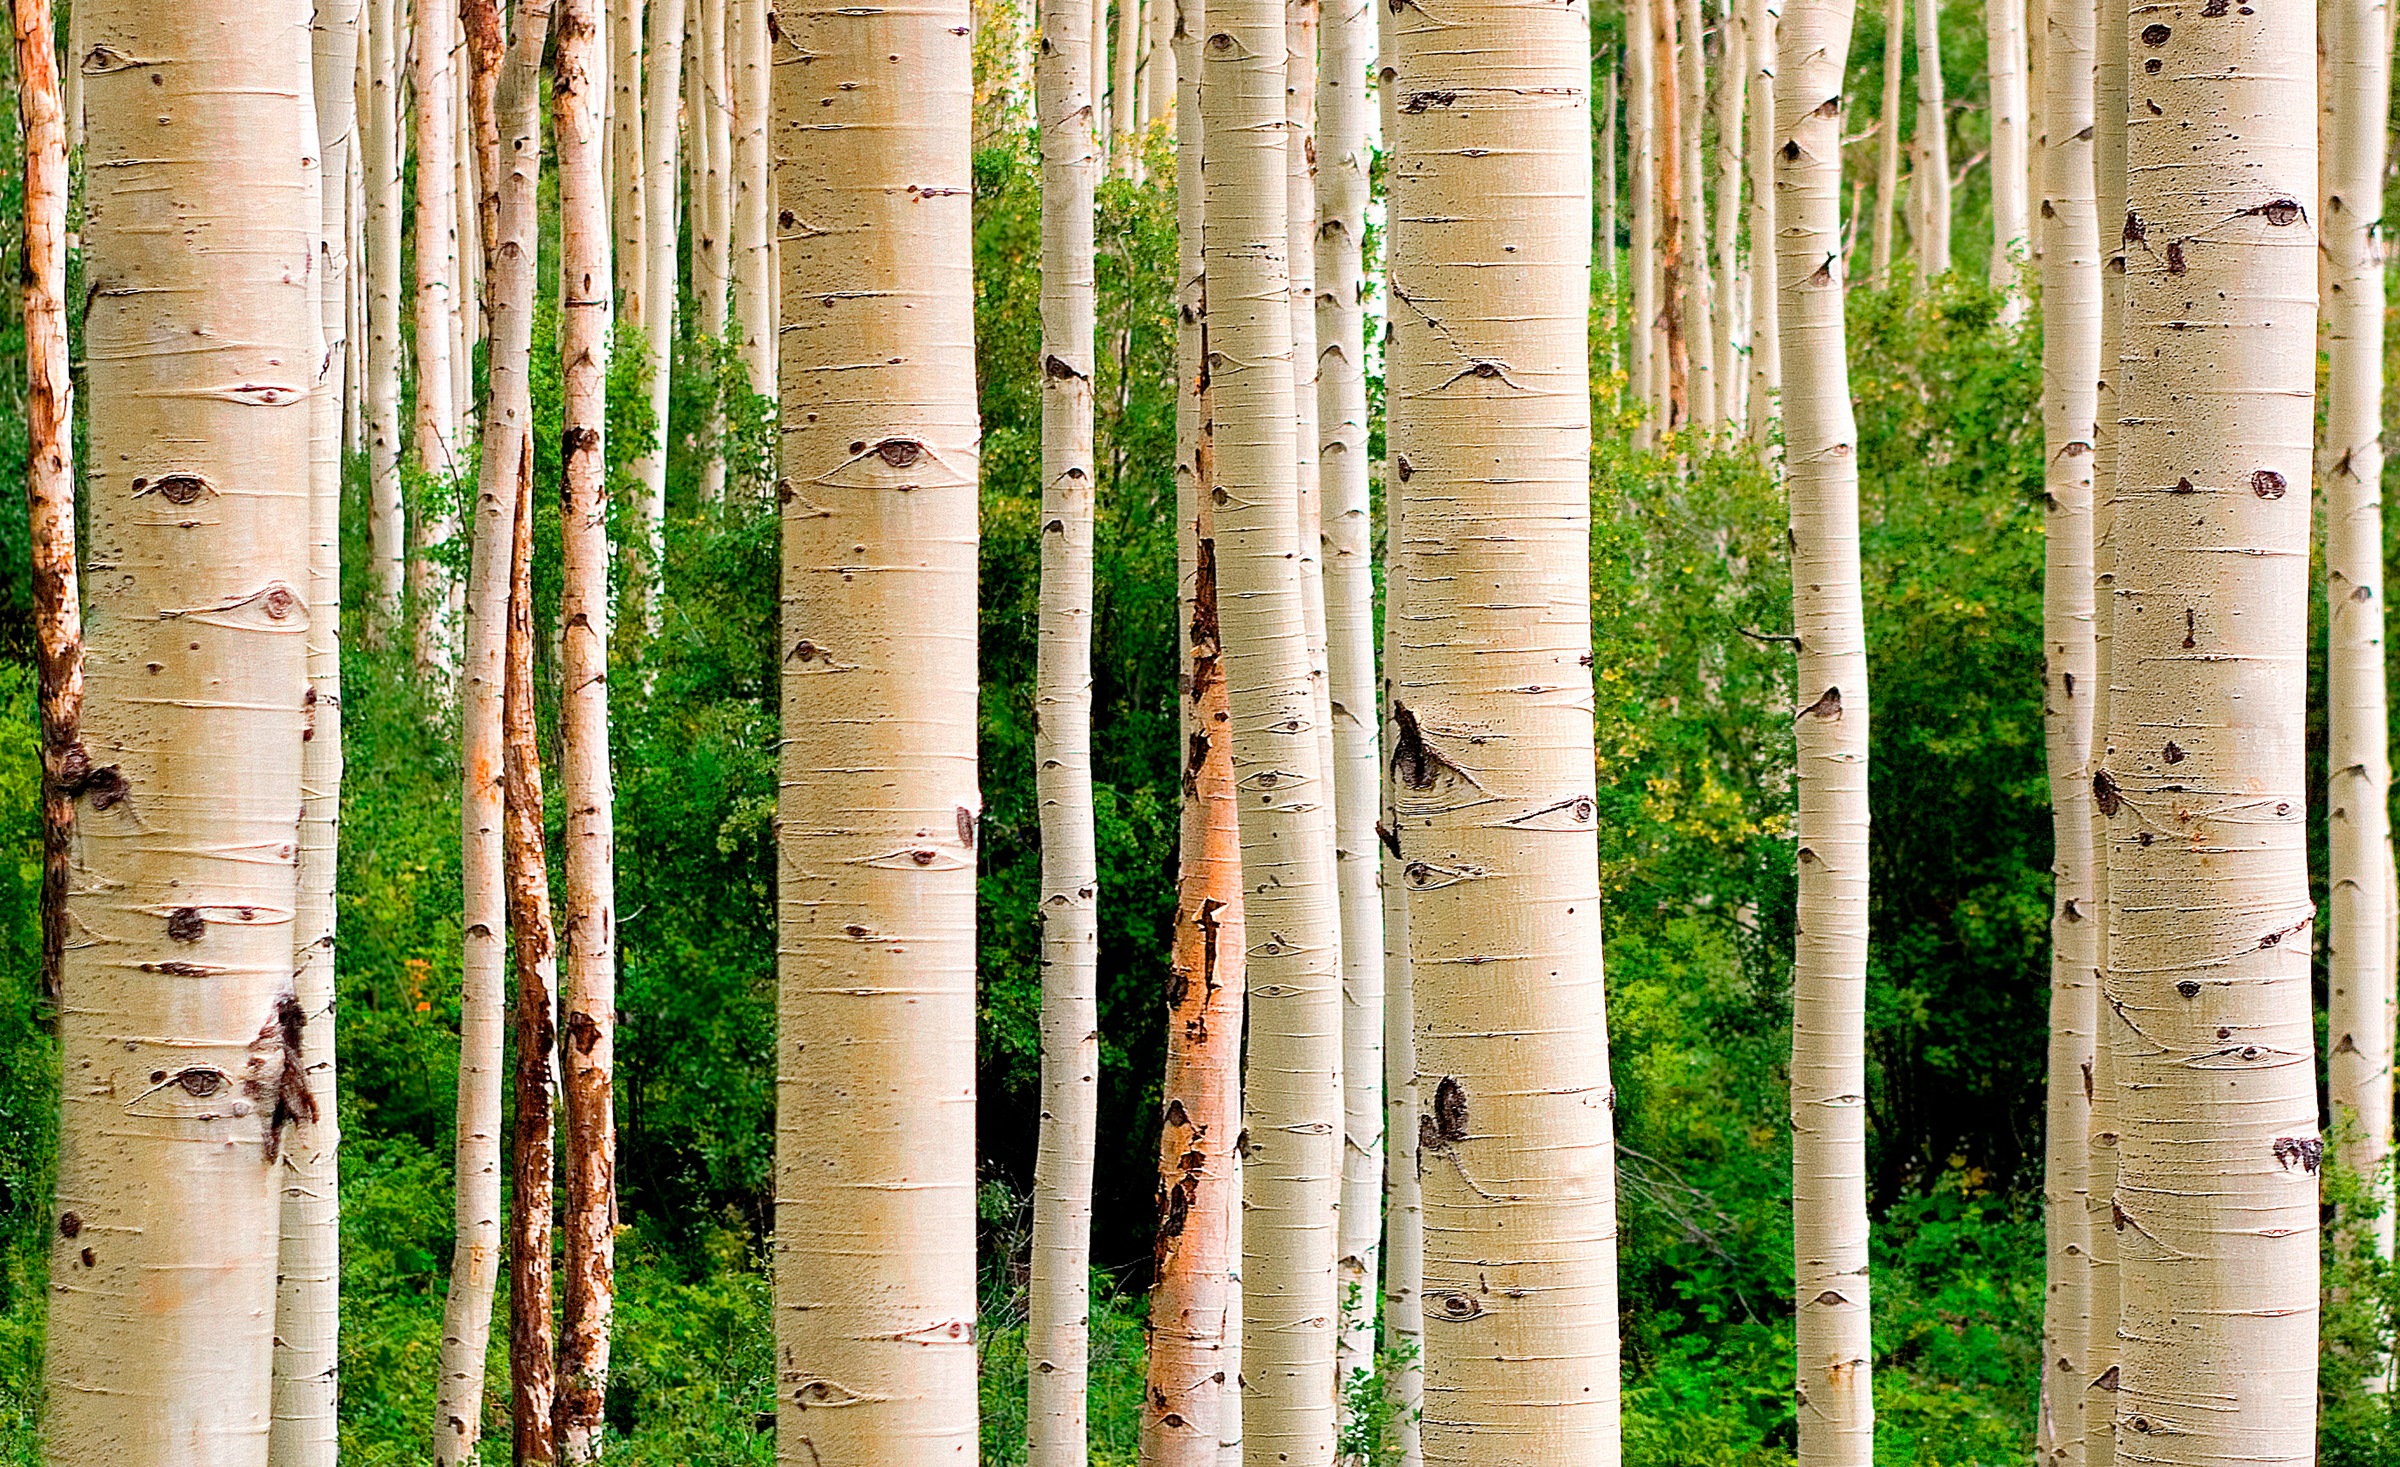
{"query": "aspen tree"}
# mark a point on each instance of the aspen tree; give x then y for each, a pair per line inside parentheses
(1829, 969)
(1929, 184)
(1193, 1383)
(466, 258)
(662, 74)
(1641, 139)
(308, 1272)
(1300, 22)
(2004, 70)
(486, 50)
(1887, 144)
(875, 1145)
(2205, 786)
(1123, 112)
(628, 170)
(1348, 37)
(588, 1000)
(1292, 1100)
(2358, 756)
(506, 463)
(433, 593)
(1605, 186)
(1058, 1344)
(1672, 373)
(752, 242)
(2070, 406)
(1492, 797)
(2108, 171)
(42, 120)
(387, 524)
(178, 1030)
(710, 112)
(1733, 85)
(1699, 305)
(532, 1363)
(1159, 65)
(2036, 29)
(1766, 351)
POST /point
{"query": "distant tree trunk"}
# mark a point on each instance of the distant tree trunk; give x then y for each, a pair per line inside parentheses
(1492, 797)
(1766, 341)
(708, 107)
(1604, 237)
(1292, 1100)
(1300, 26)
(532, 1367)
(2004, 66)
(179, 1027)
(434, 592)
(1699, 293)
(2210, 926)
(628, 167)
(2070, 409)
(875, 1238)
(506, 463)
(486, 49)
(1158, 64)
(752, 235)
(589, 1000)
(1124, 118)
(1929, 184)
(309, 1273)
(1829, 971)
(1887, 144)
(1673, 354)
(1733, 85)
(50, 465)
(2037, 132)
(2359, 1062)
(1348, 541)
(387, 520)
(1058, 1343)
(1641, 142)
(645, 582)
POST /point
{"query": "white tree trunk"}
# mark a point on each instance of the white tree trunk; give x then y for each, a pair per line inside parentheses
(2004, 70)
(2205, 789)
(752, 236)
(662, 76)
(1699, 288)
(2358, 756)
(1929, 184)
(387, 522)
(1887, 144)
(182, 1039)
(1829, 970)
(1123, 106)
(627, 165)
(435, 594)
(711, 114)
(1641, 144)
(875, 1151)
(1058, 1343)
(1766, 339)
(1733, 88)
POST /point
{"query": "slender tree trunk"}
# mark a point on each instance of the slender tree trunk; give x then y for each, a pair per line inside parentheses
(752, 238)
(467, 257)
(433, 591)
(1123, 113)
(2101, 1235)
(1829, 971)
(1159, 66)
(354, 326)
(2037, 132)
(1301, 19)
(532, 1368)
(1493, 798)
(2070, 408)
(1733, 84)
(1929, 188)
(486, 37)
(1231, 1408)
(1058, 1344)
(2358, 1062)
(506, 464)
(2004, 68)
(387, 520)
(1641, 142)
(875, 1247)
(1699, 294)
(1887, 145)
(2209, 928)
(589, 999)
(627, 168)
(72, 78)
(1673, 354)
(308, 1272)
(662, 75)
(711, 109)
(1349, 579)
(50, 465)
(1604, 237)
(1292, 1101)
(1766, 341)
(189, 766)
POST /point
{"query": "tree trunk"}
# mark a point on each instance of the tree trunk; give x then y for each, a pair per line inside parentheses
(875, 1247)
(1733, 82)
(751, 235)
(662, 74)
(1604, 237)
(50, 465)
(2209, 929)
(1887, 145)
(1293, 1113)
(589, 1000)
(1929, 186)
(1158, 63)
(1829, 970)
(628, 169)
(2004, 67)
(1699, 293)
(433, 592)
(192, 738)
(486, 48)
(1058, 1345)
(1348, 541)
(2100, 1371)
(2037, 132)
(712, 265)
(1300, 22)
(1492, 797)
(2359, 1063)
(506, 464)
(1123, 110)
(1641, 141)
(1766, 341)
(2070, 408)
(387, 520)
(532, 1368)
(308, 1272)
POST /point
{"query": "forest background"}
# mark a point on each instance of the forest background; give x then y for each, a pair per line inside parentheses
(1689, 586)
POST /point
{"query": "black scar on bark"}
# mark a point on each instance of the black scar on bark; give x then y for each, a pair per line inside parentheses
(1389, 837)
(1450, 1111)
(185, 924)
(1829, 705)
(966, 827)
(2104, 792)
(2307, 1151)
(1415, 763)
(293, 1102)
(2268, 484)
